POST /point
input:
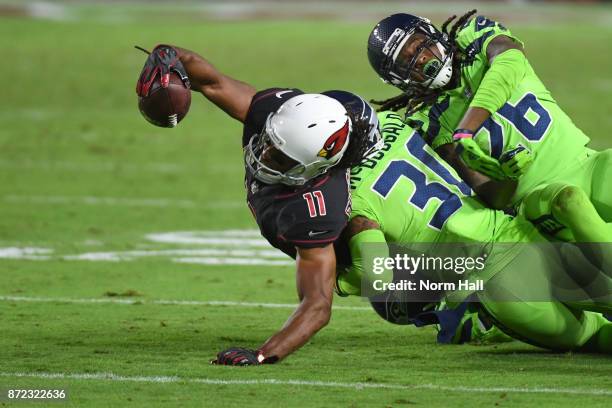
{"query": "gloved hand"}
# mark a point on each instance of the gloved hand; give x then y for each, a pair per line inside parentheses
(476, 159)
(161, 61)
(516, 162)
(236, 356)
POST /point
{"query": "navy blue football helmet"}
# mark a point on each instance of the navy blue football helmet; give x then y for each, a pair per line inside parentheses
(410, 53)
(398, 311)
(362, 110)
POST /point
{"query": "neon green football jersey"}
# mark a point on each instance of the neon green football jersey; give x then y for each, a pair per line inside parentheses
(417, 198)
(531, 117)
(414, 195)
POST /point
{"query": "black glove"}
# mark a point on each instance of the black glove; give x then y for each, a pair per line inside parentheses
(236, 356)
(161, 61)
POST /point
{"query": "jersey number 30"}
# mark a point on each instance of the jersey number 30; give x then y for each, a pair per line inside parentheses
(424, 191)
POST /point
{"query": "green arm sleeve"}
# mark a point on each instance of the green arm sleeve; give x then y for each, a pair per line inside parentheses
(364, 248)
(506, 71)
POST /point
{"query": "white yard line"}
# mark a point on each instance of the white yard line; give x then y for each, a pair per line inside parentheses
(28, 253)
(251, 238)
(233, 261)
(220, 256)
(194, 253)
(132, 301)
(221, 247)
(307, 383)
(235, 233)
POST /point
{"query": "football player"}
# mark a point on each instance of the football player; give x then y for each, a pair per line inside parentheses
(406, 194)
(474, 95)
(297, 149)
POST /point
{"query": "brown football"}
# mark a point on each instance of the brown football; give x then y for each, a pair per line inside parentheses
(166, 107)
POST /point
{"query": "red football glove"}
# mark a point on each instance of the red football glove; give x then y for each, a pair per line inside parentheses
(236, 356)
(239, 356)
(161, 61)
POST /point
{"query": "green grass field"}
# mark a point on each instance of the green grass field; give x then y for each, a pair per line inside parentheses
(127, 255)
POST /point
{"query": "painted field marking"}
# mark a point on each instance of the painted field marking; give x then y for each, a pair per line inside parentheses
(210, 256)
(223, 247)
(234, 233)
(232, 238)
(133, 301)
(233, 261)
(196, 253)
(27, 253)
(321, 384)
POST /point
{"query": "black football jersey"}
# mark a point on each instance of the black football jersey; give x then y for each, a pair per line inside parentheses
(308, 216)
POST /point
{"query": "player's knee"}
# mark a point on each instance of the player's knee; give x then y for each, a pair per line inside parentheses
(570, 201)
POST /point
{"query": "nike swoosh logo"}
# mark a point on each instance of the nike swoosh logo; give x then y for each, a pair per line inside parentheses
(281, 93)
(316, 233)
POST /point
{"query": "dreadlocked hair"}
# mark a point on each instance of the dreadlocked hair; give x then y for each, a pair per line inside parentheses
(416, 100)
(358, 142)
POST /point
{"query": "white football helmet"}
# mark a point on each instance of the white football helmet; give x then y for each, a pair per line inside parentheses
(311, 129)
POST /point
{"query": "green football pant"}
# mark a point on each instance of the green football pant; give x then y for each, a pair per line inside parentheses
(552, 325)
(580, 200)
(601, 189)
(520, 300)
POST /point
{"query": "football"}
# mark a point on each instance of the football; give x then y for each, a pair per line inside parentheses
(166, 107)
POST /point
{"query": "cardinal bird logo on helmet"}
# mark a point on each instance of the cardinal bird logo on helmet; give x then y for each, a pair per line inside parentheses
(334, 144)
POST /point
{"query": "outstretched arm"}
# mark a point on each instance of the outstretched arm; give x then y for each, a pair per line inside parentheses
(229, 94)
(316, 272)
(316, 277)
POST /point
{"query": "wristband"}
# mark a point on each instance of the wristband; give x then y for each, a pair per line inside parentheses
(261, 359)
(462, 134)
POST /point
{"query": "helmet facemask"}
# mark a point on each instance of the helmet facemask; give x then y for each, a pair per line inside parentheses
(253, 154)
(435, 73)
(408, 74)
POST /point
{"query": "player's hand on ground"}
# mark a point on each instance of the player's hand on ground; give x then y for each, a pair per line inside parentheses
(161, 61)
(236, 356)
(478, 160)
(516, 162)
